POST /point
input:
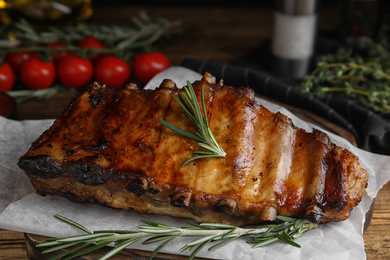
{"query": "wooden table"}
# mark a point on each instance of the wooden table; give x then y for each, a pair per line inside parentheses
(217, 34)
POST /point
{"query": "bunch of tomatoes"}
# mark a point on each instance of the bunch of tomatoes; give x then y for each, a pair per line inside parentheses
(74, 71)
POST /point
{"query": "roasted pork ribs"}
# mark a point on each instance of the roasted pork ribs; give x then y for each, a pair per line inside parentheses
(108, 147)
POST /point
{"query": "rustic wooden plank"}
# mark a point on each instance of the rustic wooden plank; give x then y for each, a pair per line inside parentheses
(12, 245)
(377, 236)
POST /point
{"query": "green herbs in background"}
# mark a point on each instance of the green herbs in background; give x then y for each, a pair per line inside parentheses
(363, 79)
(285, 230)
(189, 102)
(122, 40)
(28, 94)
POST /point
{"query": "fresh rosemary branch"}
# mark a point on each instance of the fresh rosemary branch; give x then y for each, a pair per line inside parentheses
(189, 102)
(364, 79)
(28, 94)
(285, 230)
(121, 40)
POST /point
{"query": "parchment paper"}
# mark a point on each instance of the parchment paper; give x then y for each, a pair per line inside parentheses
(22, 210)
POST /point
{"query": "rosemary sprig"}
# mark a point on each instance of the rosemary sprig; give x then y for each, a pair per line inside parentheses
(189, 102)
(28, 94)
(343, 74)
(121, 39)
(285, 230)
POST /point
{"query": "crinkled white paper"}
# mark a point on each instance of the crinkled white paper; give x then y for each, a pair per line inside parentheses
(24, 211)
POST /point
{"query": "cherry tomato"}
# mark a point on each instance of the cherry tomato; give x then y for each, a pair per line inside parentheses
(37, 74)
(75, 72)
(17, 59)
(146, 65)
(92, 42)
(112, 71)
(59, 55)
(7, 77)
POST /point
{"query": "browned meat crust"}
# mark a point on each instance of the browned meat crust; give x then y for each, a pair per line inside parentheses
(108, 147)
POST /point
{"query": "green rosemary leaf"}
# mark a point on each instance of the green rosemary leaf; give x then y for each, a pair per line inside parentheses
(260, 230)
(264, 243)
(181, 101)
(72, 223)
(201, 240)
(161, 246)
(223, 243)
(194, 102)
(86, 250)
(197, 249)
(189, 102)
(285, 219)
(50, 243)
(197, 157)
(204, 111)
(185, 248)
(61, 246)
(153, 225)
(156, 239)
(228, 234)
(212, 149)
(266, 235)
(122, 245)
(67, 253)
(287, 239)
(204, 152)
(83, 237)
(193, 225)
(179, 130)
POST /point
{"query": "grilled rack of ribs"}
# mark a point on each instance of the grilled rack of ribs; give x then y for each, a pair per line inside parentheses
(108, 147)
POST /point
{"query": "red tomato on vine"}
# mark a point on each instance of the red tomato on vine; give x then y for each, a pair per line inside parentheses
(7, 77)
(75, 72)
(93, 43)
(17, 59)
(37, 74)
(112, 71)
(147, 65)
(59, 55)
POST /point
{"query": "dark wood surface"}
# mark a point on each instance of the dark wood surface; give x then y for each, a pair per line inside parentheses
(221, 35)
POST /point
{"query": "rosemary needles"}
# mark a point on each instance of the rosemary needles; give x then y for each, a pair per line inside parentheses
(189, 102)
(285, 229)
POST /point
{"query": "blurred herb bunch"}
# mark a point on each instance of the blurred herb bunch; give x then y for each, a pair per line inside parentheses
(363, 77)
(122, 40)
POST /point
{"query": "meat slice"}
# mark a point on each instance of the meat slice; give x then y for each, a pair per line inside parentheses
(108, 147)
